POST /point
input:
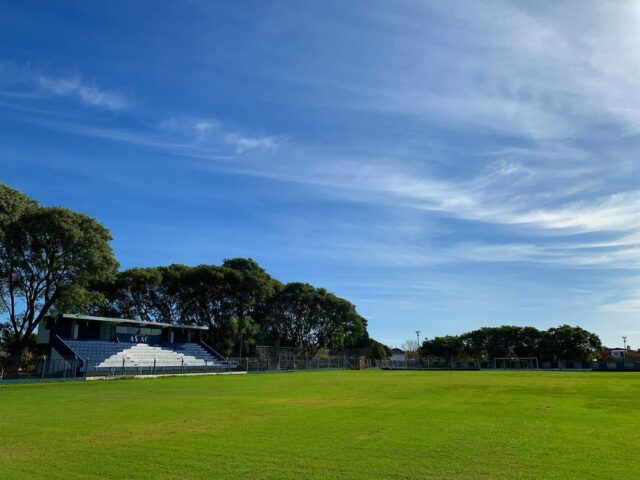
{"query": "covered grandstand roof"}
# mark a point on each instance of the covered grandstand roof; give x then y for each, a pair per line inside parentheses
(128, 320)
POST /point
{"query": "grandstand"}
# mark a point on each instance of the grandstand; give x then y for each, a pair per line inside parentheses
(99, 345)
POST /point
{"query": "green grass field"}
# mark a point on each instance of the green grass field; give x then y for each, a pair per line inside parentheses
(371, 424)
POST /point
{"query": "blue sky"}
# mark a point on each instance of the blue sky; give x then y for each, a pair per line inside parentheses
(443, 165)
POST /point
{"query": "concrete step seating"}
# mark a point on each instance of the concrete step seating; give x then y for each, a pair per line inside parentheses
(143, 355)
(105, 354)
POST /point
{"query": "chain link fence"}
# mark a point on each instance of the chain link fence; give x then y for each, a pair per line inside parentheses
(78, 368)
(268, 361)
(509, 364)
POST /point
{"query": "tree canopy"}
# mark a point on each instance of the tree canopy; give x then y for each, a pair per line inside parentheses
(239, 302)
(311, 318)
(562, 343)
(49, 257)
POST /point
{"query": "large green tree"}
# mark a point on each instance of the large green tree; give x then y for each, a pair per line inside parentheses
(49, 257)
(249, 289)
(570, 343)
(310, 318)
(206, 294)
(448, 347)
(150, 294)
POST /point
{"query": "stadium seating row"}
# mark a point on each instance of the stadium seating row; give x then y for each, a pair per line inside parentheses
(103, 354)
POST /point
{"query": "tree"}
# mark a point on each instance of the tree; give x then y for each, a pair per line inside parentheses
(129, 295)
(48, 257)
(367, 346)
(249, 285)
(205, 300)
(302, 316)
(476, 343)
(410, 348)
(378, 351)
(249, 288)
(12, 205)
(168, 297)
(247, 331)
(509, 341)
(148, 294)
(448, 347)
(570, 343)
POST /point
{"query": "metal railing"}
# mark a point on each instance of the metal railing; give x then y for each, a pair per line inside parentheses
(156, 368)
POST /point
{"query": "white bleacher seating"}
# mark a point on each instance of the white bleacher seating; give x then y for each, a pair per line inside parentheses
(104, 354)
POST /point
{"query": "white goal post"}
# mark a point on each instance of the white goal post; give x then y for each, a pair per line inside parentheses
(515, 363)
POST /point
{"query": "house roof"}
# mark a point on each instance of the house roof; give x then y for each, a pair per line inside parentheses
(396, 350)
(130, 321)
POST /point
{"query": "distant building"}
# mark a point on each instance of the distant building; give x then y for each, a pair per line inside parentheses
(615, 352)
(397, 354)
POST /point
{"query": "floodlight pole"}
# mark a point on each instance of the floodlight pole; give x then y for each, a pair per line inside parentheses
(418, 347)
(624, 341)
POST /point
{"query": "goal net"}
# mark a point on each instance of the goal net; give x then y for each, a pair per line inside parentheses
(516, 363)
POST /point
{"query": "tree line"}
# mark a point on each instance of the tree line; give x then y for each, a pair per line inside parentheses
(240, 303)
(565, 343)
(54, 260)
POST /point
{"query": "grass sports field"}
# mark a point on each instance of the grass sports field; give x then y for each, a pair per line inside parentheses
(371, 424)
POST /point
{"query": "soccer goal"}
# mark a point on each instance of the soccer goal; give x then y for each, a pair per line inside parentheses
(515, 363)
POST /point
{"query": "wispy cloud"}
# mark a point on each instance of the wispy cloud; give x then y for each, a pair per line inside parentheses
(423, 138)
(243, 144)
(23, 81)
(87, 92)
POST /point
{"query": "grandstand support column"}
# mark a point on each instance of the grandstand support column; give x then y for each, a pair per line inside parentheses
(154, 365)
(86, 368)
(182, 364)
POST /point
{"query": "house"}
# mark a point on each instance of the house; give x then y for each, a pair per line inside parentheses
(617, 353)
(397, 354)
